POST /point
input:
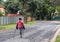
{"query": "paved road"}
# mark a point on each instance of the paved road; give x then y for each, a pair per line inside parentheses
(40, 32)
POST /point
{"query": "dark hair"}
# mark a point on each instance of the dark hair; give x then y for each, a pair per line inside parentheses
(20, 18)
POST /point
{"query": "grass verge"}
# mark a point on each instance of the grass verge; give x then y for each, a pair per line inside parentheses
(58, 39)
(13, 25)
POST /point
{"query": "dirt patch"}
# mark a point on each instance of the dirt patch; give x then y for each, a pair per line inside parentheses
(59, 33)
(4, 30)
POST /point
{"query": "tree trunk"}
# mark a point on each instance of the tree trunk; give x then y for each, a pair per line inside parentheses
(25, 19)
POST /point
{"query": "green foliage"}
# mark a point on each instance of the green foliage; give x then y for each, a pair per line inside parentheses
(11, 6)
(1, 13)
(42, 10)
(58, 39)
(58, 9)
(36, 8)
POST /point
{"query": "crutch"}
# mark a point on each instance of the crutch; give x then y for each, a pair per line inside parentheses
(14, 34)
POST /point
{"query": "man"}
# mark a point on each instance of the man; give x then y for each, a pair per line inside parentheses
(20, 26)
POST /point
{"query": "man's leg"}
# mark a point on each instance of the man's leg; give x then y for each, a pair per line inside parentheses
(21, 33)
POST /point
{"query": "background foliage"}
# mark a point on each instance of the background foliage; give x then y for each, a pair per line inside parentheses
(39, 9)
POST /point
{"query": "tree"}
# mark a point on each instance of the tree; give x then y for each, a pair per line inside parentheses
(37, 8)
(32, 9)
(11, 6)
(50, 9)
(44, 8)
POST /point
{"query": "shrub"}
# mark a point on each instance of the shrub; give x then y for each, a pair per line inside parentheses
(1, 13)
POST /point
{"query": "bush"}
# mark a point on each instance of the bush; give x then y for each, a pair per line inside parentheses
(58, 9)
(1, 13)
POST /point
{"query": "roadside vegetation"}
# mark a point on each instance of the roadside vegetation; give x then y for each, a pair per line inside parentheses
(58, 39)
(39, 9)
(9, 26)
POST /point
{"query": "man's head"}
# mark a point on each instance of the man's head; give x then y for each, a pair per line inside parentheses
(20, 18)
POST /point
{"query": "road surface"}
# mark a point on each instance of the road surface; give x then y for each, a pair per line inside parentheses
(43, 31)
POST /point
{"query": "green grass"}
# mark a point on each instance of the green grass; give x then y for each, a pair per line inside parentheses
(30, 23)
(7, 26)
(58, 39)
(13, 25)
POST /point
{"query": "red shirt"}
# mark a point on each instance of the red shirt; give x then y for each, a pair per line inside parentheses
(20, 24)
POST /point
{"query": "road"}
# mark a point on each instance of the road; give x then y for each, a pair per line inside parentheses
(43, 31)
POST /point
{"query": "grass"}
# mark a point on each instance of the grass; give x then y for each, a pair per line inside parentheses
(7, 26)
(13, 25)
(30, 23)
(58, 39)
